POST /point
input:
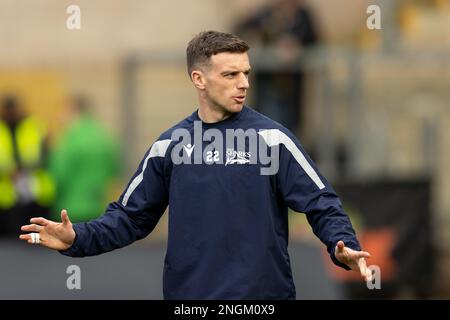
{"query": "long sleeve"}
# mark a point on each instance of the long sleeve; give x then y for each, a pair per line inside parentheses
(133, 216)
(305, 190)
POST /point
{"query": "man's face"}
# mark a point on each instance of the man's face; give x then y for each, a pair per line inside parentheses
(11, 111)
(226, 81)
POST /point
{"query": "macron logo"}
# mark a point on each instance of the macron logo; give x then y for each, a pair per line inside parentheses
(189, 148)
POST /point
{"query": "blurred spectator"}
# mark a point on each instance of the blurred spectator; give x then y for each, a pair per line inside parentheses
(84, 163)
(25, 187)
(287, 27)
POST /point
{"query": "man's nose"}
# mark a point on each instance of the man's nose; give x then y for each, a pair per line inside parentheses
(243, 82)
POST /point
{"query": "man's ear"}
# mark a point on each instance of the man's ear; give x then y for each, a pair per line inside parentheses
(198, 78)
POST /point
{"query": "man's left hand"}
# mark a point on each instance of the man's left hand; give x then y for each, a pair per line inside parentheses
(355, 260)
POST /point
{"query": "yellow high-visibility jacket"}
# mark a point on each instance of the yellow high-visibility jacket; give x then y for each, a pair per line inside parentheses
(30, 135)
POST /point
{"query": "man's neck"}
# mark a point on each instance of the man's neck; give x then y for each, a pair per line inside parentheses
(211, 115)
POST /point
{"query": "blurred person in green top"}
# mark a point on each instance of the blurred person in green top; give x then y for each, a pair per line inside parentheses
(84, 163)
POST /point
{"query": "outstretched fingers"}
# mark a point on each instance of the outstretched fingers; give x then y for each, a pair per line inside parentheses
(35, 228)
(31, 238)
(32, 228)
(340, 247)
(65, 217)
(41, 221)
(356, 260)
(25, 237)
(366, 273)
(360, 254)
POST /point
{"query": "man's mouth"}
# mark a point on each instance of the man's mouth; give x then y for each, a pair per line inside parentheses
(239, 99)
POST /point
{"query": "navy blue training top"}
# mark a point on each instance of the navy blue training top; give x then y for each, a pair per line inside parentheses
(228, 221)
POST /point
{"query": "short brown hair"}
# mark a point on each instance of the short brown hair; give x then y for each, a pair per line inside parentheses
(208, 43)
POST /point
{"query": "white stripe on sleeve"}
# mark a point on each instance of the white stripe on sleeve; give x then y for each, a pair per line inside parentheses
(158, 149)
(274, 137)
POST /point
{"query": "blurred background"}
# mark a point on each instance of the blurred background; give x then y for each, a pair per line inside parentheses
(371, 107)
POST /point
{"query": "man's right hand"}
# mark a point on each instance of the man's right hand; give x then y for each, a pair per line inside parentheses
(53, 235)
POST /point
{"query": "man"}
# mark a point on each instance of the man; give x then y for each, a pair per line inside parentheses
(25, 185)
(287, 29)
(78, 166)
(228, 221)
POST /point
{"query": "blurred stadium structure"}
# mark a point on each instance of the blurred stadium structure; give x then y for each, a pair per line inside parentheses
(377, 111)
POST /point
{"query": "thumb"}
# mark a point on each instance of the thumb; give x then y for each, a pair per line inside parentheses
(340, 246)
(65, 217)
